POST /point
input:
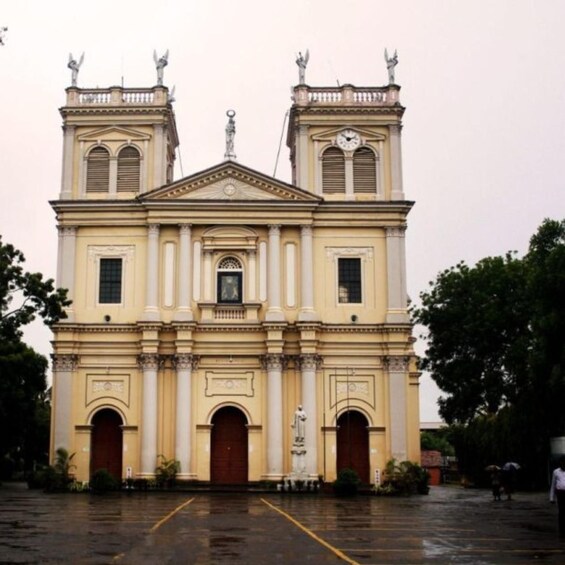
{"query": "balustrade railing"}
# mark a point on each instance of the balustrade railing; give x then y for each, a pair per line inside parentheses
(117, 96)
(346, 95)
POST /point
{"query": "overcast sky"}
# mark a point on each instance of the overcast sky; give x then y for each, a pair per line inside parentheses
(483, 82)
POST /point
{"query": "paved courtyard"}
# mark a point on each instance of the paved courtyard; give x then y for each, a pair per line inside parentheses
(451, 525)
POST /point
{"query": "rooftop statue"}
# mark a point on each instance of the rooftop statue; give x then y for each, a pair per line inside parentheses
(74, 66)
(3, 31)
(230, 134)
(302, 62)
(160, 64)
(391, 62)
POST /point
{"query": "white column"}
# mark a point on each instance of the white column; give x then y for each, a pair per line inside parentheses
(307, 312)
(208, 285)
(308, 364)
(183, 364)
(63, 367)
(396, 163)
(113, 172)
(274, 364)
(380, 172)
(397, 368)
(302, 156)
(150, 365)
(158, 162)
(67, 265)
(252, 276)
(274, 312)
(151, 312)
(184, 310)
(196, 270)
(349, 192)
(68, 157)
(397, 308)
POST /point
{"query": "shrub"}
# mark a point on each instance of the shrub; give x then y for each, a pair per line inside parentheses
(102, 481)
(405, 478)
(347, 483)
(167, 471)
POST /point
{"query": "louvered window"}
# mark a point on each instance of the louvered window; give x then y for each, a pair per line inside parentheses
(333, 171)
(128, 170)
(364, 171)
(98, 170)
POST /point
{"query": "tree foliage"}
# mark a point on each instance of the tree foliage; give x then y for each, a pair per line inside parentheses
(24, 407)
(496, 347)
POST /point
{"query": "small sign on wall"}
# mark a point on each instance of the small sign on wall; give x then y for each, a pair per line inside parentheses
(377, 477)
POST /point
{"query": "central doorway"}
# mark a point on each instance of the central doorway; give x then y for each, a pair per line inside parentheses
(106, 443)
(353, 444)
(229, 451)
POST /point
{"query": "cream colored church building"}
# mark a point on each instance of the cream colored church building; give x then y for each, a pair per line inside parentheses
(207, 309)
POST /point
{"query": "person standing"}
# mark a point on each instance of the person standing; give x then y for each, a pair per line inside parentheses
(557, 492)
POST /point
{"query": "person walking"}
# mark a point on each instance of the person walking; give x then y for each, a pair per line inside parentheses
(557, 493)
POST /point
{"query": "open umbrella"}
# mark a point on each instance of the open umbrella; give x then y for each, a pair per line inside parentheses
(510, 466)
(492, 468)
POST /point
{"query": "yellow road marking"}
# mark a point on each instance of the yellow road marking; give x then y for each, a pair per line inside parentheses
(334, 550)
(170, 515)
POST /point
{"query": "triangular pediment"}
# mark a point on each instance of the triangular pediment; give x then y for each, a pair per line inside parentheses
(113, 133)
(230, 181)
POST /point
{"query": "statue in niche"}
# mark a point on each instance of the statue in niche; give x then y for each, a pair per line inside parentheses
(302, 62)
(160, 64)
(299, 425)
(391, 62)
(74, 66)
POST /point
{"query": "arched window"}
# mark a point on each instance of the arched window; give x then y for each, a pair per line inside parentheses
(98, 170)
(230, 284)
(128, 170)
(333, 171)
(364, 171)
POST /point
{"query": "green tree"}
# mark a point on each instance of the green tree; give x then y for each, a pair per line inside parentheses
(477, 322)
(496, 347)
(24, 407)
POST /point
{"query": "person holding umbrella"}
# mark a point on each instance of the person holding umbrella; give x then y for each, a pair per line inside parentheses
(557, 492)
(507, 478)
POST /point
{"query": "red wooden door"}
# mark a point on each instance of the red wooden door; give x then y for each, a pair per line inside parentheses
(353, 444)
(229, 461)
(106, 443)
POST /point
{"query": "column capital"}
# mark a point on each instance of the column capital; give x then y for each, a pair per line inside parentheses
(184, 229)
(396, 363)
(274, 361)
(153, 229)
(306, 229)
(274, 229)
(308, 361)
(67, 231)
(150, 361)
(396, 231)
(184, 361)
(67, 362)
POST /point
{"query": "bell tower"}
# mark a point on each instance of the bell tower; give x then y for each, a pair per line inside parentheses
(117, 142)
(345, 142)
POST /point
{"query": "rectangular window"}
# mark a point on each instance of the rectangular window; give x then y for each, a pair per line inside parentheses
(349, 281)
(229, 288)
(110, 290)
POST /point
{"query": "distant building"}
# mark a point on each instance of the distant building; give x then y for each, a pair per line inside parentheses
(206, 309)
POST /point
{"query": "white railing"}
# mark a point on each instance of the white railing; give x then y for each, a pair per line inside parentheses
(346, 95)
(117, 96)
(229, 313)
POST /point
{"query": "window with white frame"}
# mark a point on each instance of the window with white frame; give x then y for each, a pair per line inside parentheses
(349, 280)
(229, 281)
(110, 280)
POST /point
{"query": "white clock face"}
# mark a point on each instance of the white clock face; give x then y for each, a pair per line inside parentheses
(348, 139)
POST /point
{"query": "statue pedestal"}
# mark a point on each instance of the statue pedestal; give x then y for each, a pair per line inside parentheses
(299, 480)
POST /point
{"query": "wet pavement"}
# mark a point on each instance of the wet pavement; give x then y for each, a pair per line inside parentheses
(450, 525)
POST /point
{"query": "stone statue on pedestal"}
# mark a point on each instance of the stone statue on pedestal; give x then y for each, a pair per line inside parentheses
(302, 62)
(299, 426)
(74, 66)
(230, 134)
(391, 62)
(160, 64)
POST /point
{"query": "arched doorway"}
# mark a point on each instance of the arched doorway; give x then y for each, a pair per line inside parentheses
(229, 459)
(353, 444)
(106, 443)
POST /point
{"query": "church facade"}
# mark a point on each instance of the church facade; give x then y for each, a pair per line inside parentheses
(206, 310)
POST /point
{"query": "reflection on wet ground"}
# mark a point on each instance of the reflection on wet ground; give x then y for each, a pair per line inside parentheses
(451, 525)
